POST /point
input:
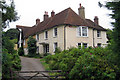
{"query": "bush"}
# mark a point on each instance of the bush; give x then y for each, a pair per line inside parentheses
(10, 62)
(85, 64)
(32, 48)
(21, 51)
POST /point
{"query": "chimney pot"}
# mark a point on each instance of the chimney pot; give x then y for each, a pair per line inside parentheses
(80, 5)
(37, 21)
(96, 20)
(52, 13)
(81, 11)
(46, 15)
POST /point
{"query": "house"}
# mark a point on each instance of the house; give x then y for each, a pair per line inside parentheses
(64, 30)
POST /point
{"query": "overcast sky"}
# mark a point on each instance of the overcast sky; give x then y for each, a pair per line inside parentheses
(30, 10)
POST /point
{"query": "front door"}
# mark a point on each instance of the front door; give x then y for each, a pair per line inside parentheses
(46, 48)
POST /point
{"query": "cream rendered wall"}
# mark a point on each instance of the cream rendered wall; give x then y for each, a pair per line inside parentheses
(103, 39)
(72, 39)
(51, 40)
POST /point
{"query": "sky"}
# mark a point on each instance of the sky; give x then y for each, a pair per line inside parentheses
(30, 10)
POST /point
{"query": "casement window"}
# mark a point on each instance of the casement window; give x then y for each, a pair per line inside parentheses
(55, 46)
(79, 45)
(37, 37)
(98, 44)
(83, 44)
(98, 33)
(82, 31)
(55, 32)
(46, 34)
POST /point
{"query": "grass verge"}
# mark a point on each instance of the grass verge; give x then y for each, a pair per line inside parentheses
(46, 66)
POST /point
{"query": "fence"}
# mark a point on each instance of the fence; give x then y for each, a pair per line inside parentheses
(38, 75)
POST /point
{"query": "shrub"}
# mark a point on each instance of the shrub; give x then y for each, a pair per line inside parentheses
(21, 51)
(84, 63)
(10, 62)
(32, 48)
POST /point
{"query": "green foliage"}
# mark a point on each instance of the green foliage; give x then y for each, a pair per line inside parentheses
(10, 62)
(7, 44)
(85, 64)
(12, 33)
(109, 34)
(6, 64)
(115, 45)
(32, 48)
(8, 13)
(21, 51)
(57, 50)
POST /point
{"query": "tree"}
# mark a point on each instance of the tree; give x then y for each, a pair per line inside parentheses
(12, 33)
(32, 48)
(109, 34)
(7, 44)
(115, 7)
(8, 13)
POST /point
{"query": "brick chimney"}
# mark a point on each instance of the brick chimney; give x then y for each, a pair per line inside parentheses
(46, 15)
(96, 20)
(52, 13)
(37, 21)
(81, 11)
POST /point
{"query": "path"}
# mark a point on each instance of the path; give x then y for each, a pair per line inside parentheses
(31, 64)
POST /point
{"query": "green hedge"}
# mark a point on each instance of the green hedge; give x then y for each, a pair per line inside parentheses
(85, 64)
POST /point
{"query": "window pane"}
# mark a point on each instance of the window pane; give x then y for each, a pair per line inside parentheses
(98, 33)
(99, 44)
(55, 32)
(46, 34)
(84, 31)
(79, 31)
(55, 46)
(85, 45)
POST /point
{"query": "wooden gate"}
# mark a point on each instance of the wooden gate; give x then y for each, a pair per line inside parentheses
(38, 75)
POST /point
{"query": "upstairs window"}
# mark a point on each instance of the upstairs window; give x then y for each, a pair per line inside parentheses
(46, 34)
(55, 32)
(82, 31)
(37, 37)
(98, 33)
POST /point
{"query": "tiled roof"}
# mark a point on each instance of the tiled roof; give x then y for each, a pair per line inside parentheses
(66, 17)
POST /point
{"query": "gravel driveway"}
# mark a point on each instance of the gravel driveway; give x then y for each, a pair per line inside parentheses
(31, 64)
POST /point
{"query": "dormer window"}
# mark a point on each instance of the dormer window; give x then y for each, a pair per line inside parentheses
(46, 34)
(98, 33)
(82, 31)
(55, 32)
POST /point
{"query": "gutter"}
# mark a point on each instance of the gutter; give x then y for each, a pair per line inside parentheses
(93, 38)
(65, 37)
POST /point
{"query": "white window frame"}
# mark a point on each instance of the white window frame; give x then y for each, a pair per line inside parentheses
(55, 35)
(37, 37)
(82, 44)
(85, 43)
(54, 46)
(80, 31)
(99, 33)
(45, 37)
